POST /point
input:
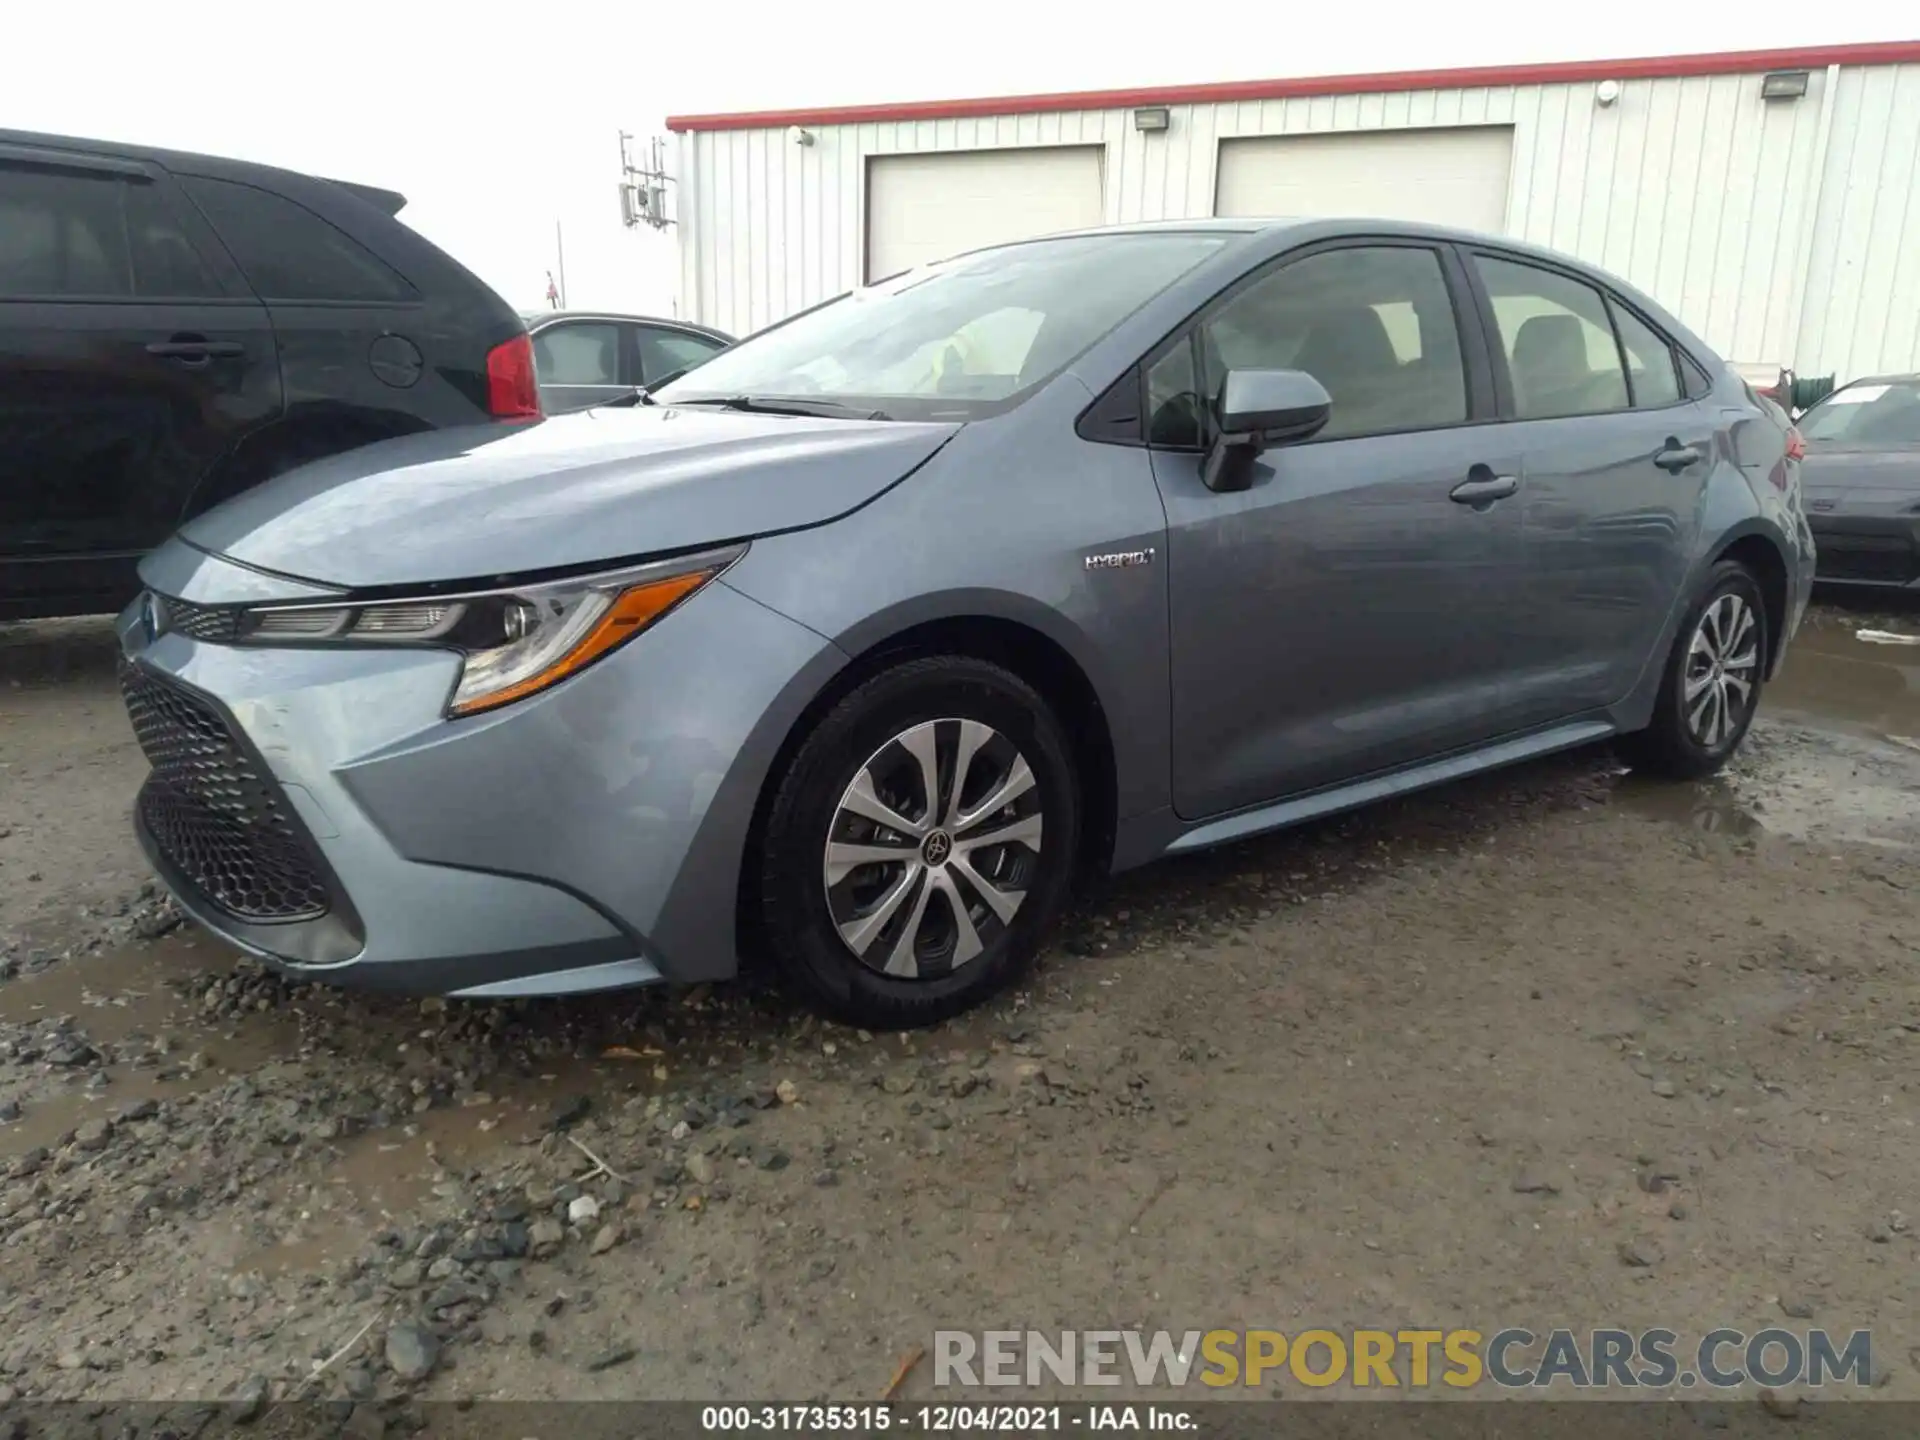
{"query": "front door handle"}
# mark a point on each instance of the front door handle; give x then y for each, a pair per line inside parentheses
(196, 350)
(1675, 457)
(1483, 488)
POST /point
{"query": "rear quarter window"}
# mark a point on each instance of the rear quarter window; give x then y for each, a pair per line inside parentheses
(287, 252)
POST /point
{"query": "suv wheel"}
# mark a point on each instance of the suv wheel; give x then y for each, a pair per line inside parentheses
(919, 844)
(1712, 683)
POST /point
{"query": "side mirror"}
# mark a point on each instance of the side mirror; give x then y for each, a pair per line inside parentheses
(1258, 409)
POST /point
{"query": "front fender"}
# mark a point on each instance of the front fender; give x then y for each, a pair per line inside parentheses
(632, 786)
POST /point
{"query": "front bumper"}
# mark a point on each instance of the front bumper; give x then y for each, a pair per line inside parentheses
(1882, 550)
(331, 821)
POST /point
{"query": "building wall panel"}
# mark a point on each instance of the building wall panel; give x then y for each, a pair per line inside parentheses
(1783, 231)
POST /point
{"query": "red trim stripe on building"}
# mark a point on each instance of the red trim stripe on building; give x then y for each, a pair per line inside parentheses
(1654, 67)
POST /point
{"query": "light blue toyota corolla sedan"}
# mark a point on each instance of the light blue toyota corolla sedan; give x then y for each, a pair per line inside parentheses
(859, 643)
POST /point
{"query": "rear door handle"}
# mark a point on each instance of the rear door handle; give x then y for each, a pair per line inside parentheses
(196, 350)
(1675, 457)
(1484, 488)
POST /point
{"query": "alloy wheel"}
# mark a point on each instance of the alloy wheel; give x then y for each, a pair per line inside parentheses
(932, 848)
(1723, 662)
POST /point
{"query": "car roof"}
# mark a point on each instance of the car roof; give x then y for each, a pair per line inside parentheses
(215, 166)
(539, 319)
(1330, 226)
(1912, 378)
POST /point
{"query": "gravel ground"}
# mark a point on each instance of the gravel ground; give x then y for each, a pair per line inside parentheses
(1556, 1046)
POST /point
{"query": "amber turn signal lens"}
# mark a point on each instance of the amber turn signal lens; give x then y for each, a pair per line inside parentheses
(631, 611)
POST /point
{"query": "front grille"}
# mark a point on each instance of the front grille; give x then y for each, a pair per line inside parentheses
(214, 813)
(197, 622)
(1882, 558)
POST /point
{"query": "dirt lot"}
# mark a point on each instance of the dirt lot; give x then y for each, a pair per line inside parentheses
(1552, 1047)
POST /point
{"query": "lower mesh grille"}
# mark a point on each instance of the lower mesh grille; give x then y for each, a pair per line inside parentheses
(214, 814)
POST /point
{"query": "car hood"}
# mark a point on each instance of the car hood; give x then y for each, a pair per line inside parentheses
(572, 490)
(1860, 481)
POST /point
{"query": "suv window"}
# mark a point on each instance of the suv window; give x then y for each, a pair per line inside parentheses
(165, 264)
(1559, 344)
(664, 351)
(582, 353)
(1650, 369)
(61, 234)
(1373, 324)
(289, 253)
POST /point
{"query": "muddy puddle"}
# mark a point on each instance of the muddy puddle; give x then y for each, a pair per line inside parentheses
(127, 1005)
(1833, 675)
(1834, 755)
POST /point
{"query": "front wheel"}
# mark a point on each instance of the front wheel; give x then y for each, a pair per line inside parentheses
(919, 844)
(1711, 687)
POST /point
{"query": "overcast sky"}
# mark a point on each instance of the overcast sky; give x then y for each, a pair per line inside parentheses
(497, 121)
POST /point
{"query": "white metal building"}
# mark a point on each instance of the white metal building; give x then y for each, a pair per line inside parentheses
(1767, 197)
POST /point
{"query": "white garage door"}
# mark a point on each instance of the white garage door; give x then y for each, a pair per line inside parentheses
(927, 207)
(1444, 177)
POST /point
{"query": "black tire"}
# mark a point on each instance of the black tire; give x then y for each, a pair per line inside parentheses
(796, 923)
(1669, 745)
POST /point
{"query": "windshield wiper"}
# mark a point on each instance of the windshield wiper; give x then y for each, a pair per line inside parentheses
(769, 405)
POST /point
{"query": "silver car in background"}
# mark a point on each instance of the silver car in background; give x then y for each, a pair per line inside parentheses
(584, 358)
(857, 644)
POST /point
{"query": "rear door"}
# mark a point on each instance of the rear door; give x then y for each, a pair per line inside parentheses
(581, 363)
(132, 360)
(356, 338)
(1616, 459)
(1349, 612)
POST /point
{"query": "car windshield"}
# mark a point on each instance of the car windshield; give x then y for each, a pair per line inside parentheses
(954, 340)
(1878, 414)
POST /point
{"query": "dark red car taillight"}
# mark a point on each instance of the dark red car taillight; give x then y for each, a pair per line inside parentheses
(512, 391)
(1796, 444)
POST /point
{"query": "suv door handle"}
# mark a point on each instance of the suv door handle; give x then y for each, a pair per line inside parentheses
(1483, 487)
(1675, 457)
(196, 350)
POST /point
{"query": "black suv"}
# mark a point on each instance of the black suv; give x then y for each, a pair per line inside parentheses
(175, 328)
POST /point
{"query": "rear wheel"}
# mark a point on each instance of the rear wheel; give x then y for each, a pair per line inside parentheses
(919, 844)
(1711, 687)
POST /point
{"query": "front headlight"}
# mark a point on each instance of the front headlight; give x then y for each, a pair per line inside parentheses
(513, 642)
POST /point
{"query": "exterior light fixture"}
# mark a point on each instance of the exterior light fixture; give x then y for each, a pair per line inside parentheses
(1606, 92)
(1152, 117)
(1784, 85)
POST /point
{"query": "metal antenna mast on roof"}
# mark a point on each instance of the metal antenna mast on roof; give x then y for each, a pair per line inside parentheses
(643, 191)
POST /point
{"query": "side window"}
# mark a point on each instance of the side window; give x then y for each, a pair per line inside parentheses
(165, 264)
(61, 234)
(1559, 343)
(1651, 377)
(289, 253)
(583, 353)
(1373, 324)
(664, 351)
(1175, 407)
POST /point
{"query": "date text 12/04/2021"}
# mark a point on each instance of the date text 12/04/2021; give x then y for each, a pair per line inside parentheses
(946, 1419)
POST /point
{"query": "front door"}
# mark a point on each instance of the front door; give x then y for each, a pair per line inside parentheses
(1616, 460)
(131, 362)
(662, 352)
(1349, 612)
